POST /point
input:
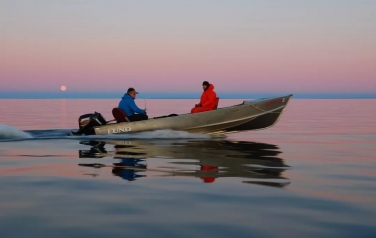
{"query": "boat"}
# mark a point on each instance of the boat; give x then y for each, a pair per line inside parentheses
(249, 115)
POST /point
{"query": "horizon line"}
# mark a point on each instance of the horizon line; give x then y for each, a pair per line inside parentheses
(182, 95)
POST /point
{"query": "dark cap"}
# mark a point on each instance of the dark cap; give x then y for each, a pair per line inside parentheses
(131, 90)
(206, 83)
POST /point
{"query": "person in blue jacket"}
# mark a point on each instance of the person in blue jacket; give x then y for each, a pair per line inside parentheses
(130, 108)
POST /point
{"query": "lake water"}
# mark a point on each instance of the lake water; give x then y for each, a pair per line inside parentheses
(311, 175)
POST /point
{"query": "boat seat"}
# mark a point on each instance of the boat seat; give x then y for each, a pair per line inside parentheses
(216, 103)
(119, 115)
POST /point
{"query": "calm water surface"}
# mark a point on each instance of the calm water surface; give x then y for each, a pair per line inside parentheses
(311, 175)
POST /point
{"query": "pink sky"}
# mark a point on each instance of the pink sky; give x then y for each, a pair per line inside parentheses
(242, 48)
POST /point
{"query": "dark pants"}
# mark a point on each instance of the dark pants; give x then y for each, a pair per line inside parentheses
(138, 117)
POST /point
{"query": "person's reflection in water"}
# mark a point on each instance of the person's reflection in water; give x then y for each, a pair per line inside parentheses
(208, 179)
(121, 169)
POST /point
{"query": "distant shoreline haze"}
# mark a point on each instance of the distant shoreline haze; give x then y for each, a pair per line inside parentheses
(177, 95)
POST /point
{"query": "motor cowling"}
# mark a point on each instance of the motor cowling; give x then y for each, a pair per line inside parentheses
(87, 122)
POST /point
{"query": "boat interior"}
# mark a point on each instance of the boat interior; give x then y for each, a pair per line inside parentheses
(120, 116)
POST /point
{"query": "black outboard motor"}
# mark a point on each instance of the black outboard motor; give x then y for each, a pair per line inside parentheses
(87, 123)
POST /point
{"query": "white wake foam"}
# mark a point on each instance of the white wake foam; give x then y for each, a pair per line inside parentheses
(10, 132)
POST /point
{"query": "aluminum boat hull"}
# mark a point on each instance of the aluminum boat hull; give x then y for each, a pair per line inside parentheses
(250, 115)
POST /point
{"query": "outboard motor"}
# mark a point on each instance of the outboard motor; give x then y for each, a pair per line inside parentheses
(87, 123)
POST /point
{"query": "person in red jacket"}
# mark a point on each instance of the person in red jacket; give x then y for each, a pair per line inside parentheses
(208, 100)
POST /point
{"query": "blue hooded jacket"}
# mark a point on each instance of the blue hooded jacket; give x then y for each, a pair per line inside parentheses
(128, 105)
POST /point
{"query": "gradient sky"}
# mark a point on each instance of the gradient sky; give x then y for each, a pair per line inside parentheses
(312, 46)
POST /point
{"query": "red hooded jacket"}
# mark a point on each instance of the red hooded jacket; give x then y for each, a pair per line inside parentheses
(209, 98)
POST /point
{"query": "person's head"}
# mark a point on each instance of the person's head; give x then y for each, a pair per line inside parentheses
(205, 85)
(132, 92)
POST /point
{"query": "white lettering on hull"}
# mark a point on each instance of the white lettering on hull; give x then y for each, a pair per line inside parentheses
(119, 130)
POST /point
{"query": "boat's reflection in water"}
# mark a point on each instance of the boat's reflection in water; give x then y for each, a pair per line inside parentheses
(256, 163)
